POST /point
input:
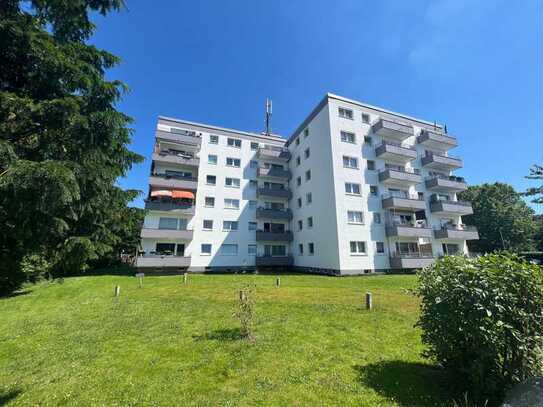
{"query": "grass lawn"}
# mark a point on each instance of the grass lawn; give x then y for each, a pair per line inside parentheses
(174, 344)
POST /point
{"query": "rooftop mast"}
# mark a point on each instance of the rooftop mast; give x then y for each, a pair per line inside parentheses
(268, 116)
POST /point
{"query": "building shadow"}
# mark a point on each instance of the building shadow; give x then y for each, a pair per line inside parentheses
(222, 335)
(7, 396)
(407, 383)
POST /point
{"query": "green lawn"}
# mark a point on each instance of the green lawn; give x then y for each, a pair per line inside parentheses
(174, 344)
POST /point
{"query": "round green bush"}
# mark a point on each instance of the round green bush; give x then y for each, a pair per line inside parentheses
(482, 320)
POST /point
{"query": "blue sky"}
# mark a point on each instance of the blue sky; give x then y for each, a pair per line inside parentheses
(473, 65)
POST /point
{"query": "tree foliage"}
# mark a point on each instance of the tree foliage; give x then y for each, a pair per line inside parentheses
(503, 219)
(63, 144)
(536, 172)
(482, 319)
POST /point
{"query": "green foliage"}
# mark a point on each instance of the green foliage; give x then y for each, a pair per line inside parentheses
(245, 312)
(482, 319)
(536, 172)
(63, 144)
(503, 219)
(35, 266)
(539, 233)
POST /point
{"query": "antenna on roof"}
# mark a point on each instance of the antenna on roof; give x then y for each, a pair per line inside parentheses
(268, 116)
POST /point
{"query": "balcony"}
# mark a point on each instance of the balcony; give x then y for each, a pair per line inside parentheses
(273, 153)
(399, 177)
(162, 261)
(274, 214)
(458, 232)
(436, 140)
(441, 162)
(263, 236)
(178, 208)
(411, 260)
(275, 261)
(392, 129)
(167, 158)
(400, 202)
(446, 184)
(274, 193)
(395, 152)
(169, 181)
(186, 138)
(449, 207)
(277, 173)
(166, 234)
(408, 230)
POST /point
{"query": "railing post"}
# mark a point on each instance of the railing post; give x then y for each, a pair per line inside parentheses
(369, 301)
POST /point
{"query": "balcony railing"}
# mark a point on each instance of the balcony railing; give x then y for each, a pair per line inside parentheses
(185, 138)
(285, 260)
(275, 192)
(418, 229)
(266, 213)
(173, 158)
(173, 181)
(276, 152)
(451, 231)
(388, 195)
(402, 202)
(274, 236)
(430, 137)
(434, 198)
(156, 260)
(156, 233)
(434, 160)
(395, 151)
(273, 172)
(399, 176)
(169, 206)
(393, 129)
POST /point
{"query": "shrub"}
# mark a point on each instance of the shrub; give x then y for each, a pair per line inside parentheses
(482, 319)
(35, 266)
(245, 312)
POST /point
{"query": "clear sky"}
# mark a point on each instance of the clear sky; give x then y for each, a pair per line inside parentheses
(473, 65)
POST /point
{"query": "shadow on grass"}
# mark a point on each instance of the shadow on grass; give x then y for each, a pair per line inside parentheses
(6, 396)
(224, 335)
(15, 294)
(407, 383)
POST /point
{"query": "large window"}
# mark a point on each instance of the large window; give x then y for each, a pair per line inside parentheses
(348, 137)
(213, 139)
(231, 182)
(233, 142)
(233, 162)
(352, 188)
(229, 225)
(211, 180)
(358, 247)
(169, 249)
(209, 202)
(380, 247)
(231, 203)
(205, 249)
(229, 249)
(172, 223)
(212, 159)
(345, 113)
(275, 250)
(355, 217)
(251, 250)
(208, 224)
(350, 162)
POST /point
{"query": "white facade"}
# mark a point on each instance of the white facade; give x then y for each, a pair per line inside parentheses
(275, 207)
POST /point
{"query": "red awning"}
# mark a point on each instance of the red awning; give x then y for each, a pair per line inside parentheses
(161, 192)
(182, 194)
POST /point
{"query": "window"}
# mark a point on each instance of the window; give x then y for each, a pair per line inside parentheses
(301, 249)
(358, 247)
(311, 248)
(233, 162)
(254, 146)
(229, 225)
(167, 248)
(167, 223)
(231, 182)
(233, 142)
(253, 164)
(355, 217)
(211, 180)
(308, 198)
(307, 153)
(252, 204)
(298, 141)
(253, 183)
(306, 132)
(298, 161)
(420, 195)
(376, 217)
(205, 249)
(371, 165)
(308, 175)
(345, 113)
(368, 140)
(365, 118)
(374, 190)
(299, 181)
(209, 202)
(350, 162)
(252, 225)
(212, 159)
(251, 250)
(300, 225)
(208, 224)
(299, 200)
(213, 139)
(229, 249)
(352, 188)
(348, 137)
(310, 222)
(231, 203)
(380, 247)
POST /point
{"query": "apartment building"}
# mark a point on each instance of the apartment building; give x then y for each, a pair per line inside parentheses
(356, 189)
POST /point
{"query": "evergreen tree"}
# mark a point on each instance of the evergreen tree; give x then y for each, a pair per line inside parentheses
(63, 144)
